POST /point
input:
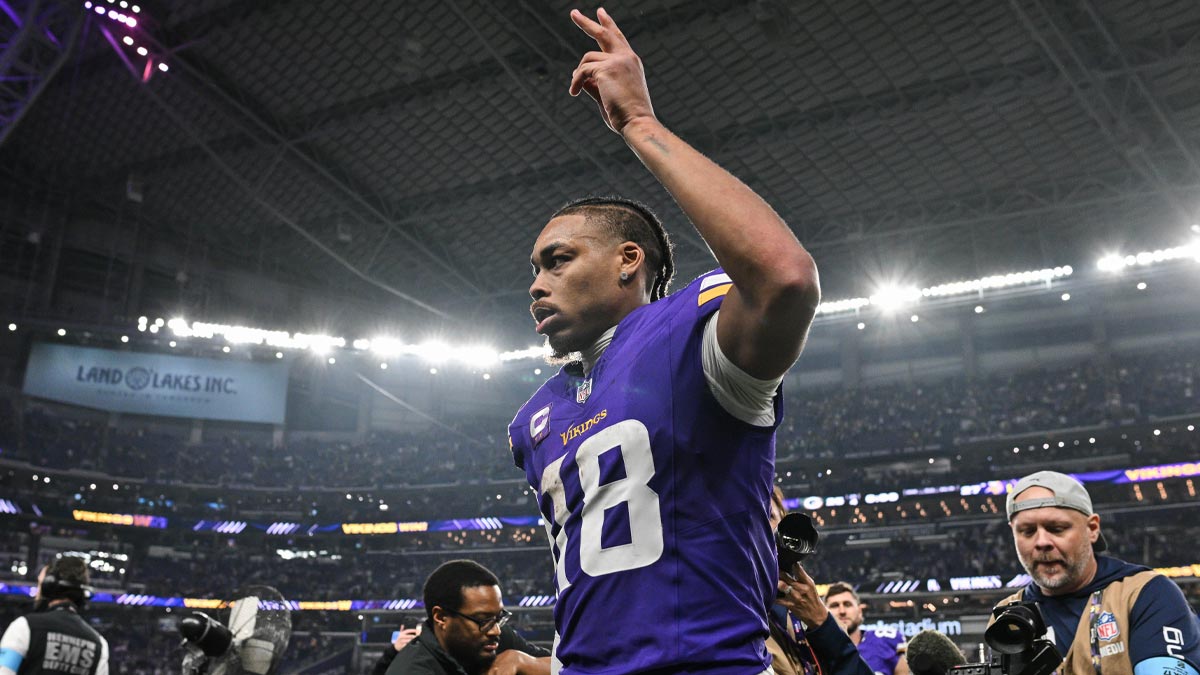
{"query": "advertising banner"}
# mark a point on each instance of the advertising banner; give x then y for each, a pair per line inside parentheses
(158, 384)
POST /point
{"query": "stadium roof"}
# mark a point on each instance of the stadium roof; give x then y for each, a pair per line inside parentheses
(405, 154)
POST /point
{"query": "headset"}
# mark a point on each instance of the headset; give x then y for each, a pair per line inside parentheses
(54, 587)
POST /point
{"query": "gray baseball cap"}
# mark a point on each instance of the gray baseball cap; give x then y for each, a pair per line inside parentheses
(1068, 494)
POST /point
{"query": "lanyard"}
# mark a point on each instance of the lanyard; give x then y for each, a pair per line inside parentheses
(1093, 629)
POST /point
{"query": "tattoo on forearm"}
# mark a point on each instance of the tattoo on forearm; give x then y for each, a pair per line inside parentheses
(658, 144)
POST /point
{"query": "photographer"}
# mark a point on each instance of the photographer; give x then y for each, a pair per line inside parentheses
(1105, 616)
(805, 637)
(55, 639)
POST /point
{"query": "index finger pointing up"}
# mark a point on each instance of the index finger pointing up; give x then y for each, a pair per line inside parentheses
(605, 33)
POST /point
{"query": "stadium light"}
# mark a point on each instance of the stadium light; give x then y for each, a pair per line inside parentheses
(1115, 262)
(534, 352)
(998, 281)
(840, 306)
(890, 297)
(385, 346)
(477, 356)
(432, 351)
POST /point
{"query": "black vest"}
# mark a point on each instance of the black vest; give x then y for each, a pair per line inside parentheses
(60, 641)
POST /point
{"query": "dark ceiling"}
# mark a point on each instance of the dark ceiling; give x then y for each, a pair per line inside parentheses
(405, 154)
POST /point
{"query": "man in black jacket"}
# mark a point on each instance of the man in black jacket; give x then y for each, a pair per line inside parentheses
(55, 639)
(465, 632)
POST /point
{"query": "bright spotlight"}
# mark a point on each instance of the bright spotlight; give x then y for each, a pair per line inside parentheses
(477, 356)
(124, 338)
(12, 327)
(1066, 297)
(862, 326)
(332, 361)
(127, 40)
(433, 351)
(1141, 286)
(386, 346)
(62, 332)
(383, 366)
(361, 344)
(889, 298)
(279, 355)
(914, 318)
(979, 309)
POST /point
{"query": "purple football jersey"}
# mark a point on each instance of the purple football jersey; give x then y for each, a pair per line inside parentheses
(655, 500)
(881, 649)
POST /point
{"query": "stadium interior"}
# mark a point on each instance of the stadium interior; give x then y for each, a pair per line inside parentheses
(1003, 199)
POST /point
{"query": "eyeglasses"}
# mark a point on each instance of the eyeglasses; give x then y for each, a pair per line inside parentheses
(487, 624)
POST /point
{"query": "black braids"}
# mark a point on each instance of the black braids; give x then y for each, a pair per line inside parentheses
(648, 220)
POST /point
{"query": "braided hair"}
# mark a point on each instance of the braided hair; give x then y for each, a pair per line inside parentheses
(629, 220)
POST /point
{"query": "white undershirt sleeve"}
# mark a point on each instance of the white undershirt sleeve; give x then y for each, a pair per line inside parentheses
(14, 646)
(742, 395)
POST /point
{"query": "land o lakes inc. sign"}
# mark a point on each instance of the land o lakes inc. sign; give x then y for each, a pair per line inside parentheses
(158, 384)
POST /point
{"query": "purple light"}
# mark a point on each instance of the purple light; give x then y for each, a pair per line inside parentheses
(112, 14)
(163, 67)
(99, 9)
(87, 5)
(131, 22)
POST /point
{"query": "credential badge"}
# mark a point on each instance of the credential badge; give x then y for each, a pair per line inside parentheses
(539, 424)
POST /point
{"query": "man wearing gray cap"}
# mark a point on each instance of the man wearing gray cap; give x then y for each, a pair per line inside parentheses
(1106, 616)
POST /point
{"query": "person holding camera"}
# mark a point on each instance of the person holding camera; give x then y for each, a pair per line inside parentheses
(1105, 616)
(403, 637)
(805, 637)
(54, 638)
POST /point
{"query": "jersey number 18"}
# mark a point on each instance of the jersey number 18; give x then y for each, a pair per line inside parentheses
(632, 439)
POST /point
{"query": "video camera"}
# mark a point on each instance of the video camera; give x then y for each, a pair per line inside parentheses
(1017, 642)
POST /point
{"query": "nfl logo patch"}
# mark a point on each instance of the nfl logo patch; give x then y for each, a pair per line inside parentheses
(584, 391)
(1106, 628)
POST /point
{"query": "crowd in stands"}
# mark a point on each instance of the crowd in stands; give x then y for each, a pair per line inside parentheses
(825, 425)
(950, 431)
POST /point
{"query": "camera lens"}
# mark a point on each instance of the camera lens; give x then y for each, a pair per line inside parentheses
(1014, 630)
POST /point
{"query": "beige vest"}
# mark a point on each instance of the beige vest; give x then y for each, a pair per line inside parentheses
(1117, 597)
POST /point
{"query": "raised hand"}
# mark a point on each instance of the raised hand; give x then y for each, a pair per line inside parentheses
(613, 76)
(406, 636)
